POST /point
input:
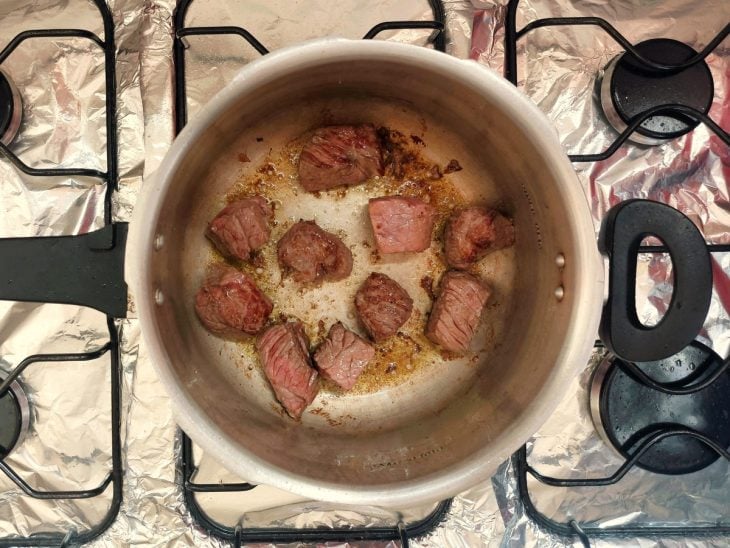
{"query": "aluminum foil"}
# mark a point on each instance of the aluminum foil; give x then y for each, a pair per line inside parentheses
(62, 84)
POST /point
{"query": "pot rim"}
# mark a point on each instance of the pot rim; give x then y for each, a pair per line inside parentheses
(578, 340)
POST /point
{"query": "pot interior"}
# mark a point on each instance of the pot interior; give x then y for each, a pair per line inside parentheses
(439, 416)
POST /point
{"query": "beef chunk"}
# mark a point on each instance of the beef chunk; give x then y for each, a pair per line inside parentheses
(241, 227)
(284, 353)
(230, 305)
(342, 356)
(474, 232)
(401, 224)
(456, 312)
(383, 306)
(310, 254)
(340, 155)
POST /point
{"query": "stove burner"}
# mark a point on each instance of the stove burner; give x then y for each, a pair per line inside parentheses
(630, 88)
(11, 109)
(625, 411)
(14, 417)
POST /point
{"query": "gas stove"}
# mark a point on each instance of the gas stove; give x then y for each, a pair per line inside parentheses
(91, 95)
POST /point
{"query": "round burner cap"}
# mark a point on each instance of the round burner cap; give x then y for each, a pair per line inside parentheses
(11, 109)
(626, 412)
(14, 418)
(630, 88)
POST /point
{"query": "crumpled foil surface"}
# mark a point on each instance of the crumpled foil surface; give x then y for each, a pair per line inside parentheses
(62, 84)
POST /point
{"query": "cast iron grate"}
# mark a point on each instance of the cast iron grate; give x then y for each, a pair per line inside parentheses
(512, 35)
(181, 31)
(520, 462)
(586, 531)
(111, 348)
(240, 534)
(186, 467)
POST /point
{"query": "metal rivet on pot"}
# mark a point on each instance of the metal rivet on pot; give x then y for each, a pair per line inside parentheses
(559, 293)
(159, 242)
(560, 260)
(159, 296)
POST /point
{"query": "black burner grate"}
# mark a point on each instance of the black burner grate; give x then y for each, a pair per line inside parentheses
(640, 450)
(512, 35)
(110, 176)
(114, 478)
(186, 467)
(111, 348)
(520, 462)
(241, 534)
(181, 31)
(629, 89)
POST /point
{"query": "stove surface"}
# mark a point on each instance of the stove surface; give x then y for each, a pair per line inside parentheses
(560, 68)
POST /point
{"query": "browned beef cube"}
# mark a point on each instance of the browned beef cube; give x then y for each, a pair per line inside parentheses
(230, 305)
(241, 227)
(383, 306)
(401, 224)
(455, 314)
(284, 353)
(342, 356)
(474, 232)
(340, 155)
(311, 254)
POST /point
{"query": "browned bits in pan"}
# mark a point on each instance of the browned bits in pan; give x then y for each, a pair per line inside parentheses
(452, 167)
(427, 285)
(408, 172)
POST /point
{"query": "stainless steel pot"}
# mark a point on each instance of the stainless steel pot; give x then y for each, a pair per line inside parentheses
(449, 427)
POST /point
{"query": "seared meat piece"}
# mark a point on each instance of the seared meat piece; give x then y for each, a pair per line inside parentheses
(229, 304)
(474, 232)
(284, 353)
(310, 253)
(342, 356)
(383, 306)
(401, 224)
(340, 155)
(456, 312)
(241, 227)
